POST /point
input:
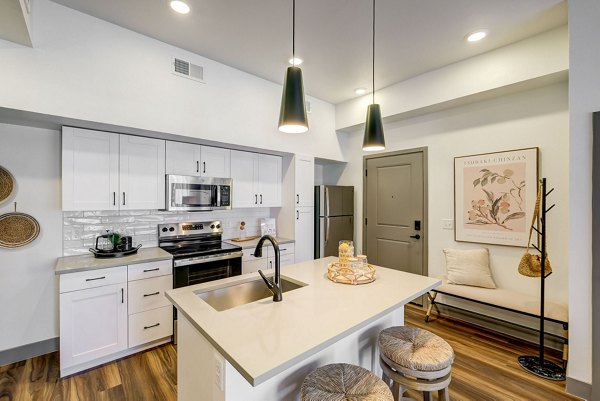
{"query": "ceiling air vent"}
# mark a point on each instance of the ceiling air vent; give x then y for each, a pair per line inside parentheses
(186, 69)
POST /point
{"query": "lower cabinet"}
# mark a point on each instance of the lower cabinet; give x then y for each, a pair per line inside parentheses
(109, 313)
(93, 324)
(251, 264)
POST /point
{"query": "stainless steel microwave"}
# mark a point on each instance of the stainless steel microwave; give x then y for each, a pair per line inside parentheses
(191, 193)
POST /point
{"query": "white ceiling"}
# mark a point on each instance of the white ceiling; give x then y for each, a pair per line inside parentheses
(333, 36)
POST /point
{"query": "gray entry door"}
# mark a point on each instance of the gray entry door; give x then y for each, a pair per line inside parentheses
(394, 211)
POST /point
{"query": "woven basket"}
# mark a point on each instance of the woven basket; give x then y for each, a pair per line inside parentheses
(340, 272)
(17, 229)
(7, 184)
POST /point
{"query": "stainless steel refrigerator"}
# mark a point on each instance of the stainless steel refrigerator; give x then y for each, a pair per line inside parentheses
(334, 218)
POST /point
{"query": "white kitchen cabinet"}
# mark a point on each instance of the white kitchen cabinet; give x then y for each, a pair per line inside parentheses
(93, 324)
(141, 173)
(90, 170)
(182, 158)
(304, 180)
(244, 173)
(256, 179)
(215, 162)
(196, 160)
(251, 263)
(113, 312)
(269, 180)
(304, 234)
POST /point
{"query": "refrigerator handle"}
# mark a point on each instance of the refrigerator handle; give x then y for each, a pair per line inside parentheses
(326, 230)
(326, 202)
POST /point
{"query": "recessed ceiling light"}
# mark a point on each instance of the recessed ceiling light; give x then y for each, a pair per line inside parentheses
(360, 91)
(180, 7)
(295, 61)
(476, 36)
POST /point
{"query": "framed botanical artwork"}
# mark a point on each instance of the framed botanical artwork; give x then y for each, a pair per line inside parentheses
(494, 196)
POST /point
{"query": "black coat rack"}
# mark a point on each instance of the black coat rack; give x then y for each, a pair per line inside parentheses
(537, 364)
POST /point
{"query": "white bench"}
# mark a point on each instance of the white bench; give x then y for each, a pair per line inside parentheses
(504, 299)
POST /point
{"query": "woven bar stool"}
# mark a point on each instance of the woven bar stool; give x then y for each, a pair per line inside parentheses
(343, 382)
(416, 359)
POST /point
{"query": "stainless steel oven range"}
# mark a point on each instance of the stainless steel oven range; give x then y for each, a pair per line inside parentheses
(199, 253)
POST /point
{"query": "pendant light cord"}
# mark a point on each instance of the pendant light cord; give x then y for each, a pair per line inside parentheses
(373, 93)
(294, 32)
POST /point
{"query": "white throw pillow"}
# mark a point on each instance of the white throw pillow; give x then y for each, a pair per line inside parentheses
(469, 267)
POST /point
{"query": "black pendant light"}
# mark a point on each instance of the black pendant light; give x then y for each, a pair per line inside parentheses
(292, 116)
(374, 138)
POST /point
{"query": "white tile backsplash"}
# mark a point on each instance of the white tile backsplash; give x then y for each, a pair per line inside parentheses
(80, 229)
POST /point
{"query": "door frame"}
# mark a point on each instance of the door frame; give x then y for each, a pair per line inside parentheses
(424, 225)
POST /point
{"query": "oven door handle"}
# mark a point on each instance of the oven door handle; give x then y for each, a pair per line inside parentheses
(194, 261)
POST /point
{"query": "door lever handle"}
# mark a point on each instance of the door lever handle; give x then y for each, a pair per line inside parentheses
(417, 236)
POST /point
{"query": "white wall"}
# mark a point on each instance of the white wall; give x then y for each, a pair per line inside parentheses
(88, 69)
(28, 287)
(532, 61)
(533, 118)
(584, 98)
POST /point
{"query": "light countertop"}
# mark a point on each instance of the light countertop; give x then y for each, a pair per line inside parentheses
(263, 338)
(72, 264)
(252, 243)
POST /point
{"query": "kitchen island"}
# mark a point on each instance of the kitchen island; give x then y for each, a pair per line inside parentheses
(263, 350)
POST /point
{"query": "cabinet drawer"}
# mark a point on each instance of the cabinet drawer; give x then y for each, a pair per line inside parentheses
(141, 271)
(286, 249)
(149, 294)
(151, 325)
(92, 278)
(249, 254)
(287, 260)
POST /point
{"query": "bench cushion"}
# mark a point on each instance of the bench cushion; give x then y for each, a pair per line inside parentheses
(415, 348)
(506, 299)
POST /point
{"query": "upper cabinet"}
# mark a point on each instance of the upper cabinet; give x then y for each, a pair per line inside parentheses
(191, 159)
(106, 171)
(90, 170)
(304, 174)
(141, 173)
(256, 179)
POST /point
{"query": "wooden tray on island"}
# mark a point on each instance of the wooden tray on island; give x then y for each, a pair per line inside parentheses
(344, 274)
(244, 239)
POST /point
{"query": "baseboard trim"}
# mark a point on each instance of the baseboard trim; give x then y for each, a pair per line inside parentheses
(27, 351)
(579, 389)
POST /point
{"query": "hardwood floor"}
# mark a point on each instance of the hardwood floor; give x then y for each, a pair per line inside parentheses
(147, 376)
(485, 368)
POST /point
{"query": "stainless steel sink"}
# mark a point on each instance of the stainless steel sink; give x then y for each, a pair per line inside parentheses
(240, 294)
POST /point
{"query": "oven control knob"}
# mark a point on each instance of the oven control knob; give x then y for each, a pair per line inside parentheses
(212, 226)
(218, 226)
(164, 229)
(171, 229)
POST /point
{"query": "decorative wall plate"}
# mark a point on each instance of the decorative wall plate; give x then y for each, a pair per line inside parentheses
(17, 229)
(7, 184)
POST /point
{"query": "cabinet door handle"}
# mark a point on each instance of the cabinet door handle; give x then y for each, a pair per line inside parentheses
(261, 199)
(151, 270)
(122, 295)
(297, 199)
(297, 215)
(96, 278)
(255, 199)
(154, 293)
(197, 166)
(123, 198)
(203, 167)
(114, 199)
(149, 327)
